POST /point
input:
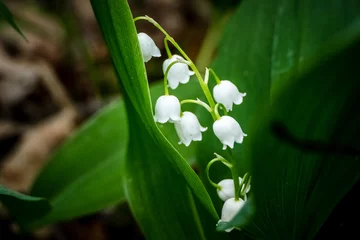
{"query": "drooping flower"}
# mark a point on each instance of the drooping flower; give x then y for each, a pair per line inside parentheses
(227, 93)
(188, 128)
(228, 131)
(230, 209)
(178, 73)
(167, 108)
(148, 47)
(227, 189)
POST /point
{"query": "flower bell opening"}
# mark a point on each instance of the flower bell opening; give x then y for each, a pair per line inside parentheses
(167, 108)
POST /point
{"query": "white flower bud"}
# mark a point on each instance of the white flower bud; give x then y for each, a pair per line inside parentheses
(188, 128)
(230, 209)
(178, 73)
(148, 47)
(167, 108)
(228, 189)
(228, 131)
(227, 93)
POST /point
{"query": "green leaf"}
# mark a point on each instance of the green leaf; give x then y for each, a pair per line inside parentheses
(158, 196)
(265, 43)
(6, 15)
(304, 152)
(23, 207)
(84, 175)
(149, 151)
(89, 170)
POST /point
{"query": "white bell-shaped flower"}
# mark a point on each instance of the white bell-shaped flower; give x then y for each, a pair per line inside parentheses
(228, 131)
(227, 93)
(148, 47)
(188, 128)
(227, 189)
(167, 108)
(230, 209)
(178, 73)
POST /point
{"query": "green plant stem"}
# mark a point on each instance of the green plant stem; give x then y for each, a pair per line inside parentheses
(168, 52)
(207, 170)
(166, 89)
(234, 174)
(217, 79)
(216, 110)
(199, 102)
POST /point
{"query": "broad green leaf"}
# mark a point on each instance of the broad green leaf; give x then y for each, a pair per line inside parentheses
(148, 148)
(23, 207)
(6, 15)
(304, 153)
(84, 175)
(266, 42)
(80, 160)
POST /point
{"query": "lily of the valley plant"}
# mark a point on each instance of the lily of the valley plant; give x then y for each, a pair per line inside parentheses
(168, 108)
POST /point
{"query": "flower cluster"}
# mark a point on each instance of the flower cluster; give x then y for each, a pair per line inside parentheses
(178, 70)
(168, 107)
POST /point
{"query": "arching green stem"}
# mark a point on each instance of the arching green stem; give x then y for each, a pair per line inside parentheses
(217, 79)
(199, 102)
(168, 52)
(217, 159)
(216, 110)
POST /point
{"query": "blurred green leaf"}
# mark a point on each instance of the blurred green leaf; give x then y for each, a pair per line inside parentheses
(304, 152)
(84, 175)
(304, 156)
(149, 151)
(80, 160)
(264, 43)
(6, 15)
(23, 207)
